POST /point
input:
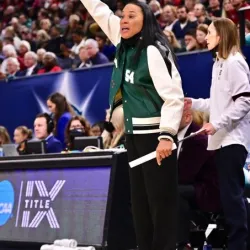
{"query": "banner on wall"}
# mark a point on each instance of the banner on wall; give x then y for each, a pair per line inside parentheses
(44, 205)
(87, 90)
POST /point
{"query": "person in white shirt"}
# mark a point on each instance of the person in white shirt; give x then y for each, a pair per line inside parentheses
(77, 37)
(30, 61)
(84, 57)
(229, 126)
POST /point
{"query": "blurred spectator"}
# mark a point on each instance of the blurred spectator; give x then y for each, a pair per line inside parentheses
(15, 25)
(40, 54)
(65, 59)
(24, 20)
(8, 40)
(45, 24)
(4, 136)
(156, 8)
(30, 62)
(84, 57)
(182, 25)
(190, 40)
(105, 46)
(234, 15)
(214, 9)
(171, 2)
(114, 138)
(42, 14)
(62, 112)
(8, 13)
(227, 7)
(78, 40)
(247, 32)
(201, 33)
(49, 64)
(97, 128)
(8, 51)
(42, 39)
(1, 52)
(169, 16)
(55, 41)
(95, 56)
(76, 127)
(74, 24)
(12, 68)
(120, 5)
(173, 41)
(118, 13)
(27, 35)
(43, 128)
(200, 14)
(10, 33)
(68, 10)
(23, 49)
(21, 135)
(189, 4)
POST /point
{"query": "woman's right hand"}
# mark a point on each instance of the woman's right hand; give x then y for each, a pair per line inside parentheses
(187, 104)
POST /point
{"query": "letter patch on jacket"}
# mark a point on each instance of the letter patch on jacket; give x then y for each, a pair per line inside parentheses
(129, 76)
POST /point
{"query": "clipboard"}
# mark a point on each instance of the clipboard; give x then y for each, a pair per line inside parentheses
(152, 155)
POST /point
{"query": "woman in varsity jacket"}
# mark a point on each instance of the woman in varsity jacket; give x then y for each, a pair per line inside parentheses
(146, 78)
(229, 126)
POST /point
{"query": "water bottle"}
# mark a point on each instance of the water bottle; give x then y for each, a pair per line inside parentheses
(207, 247)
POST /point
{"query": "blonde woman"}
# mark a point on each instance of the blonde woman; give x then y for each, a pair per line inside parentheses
(201, 33)
(173, 41)
(42, 38)
(200, 118)
(4, 136)
(116, 137)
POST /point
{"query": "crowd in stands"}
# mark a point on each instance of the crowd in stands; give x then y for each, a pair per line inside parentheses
(59, 128)
(42, 36)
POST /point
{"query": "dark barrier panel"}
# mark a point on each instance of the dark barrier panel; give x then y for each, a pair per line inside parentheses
(80, 196)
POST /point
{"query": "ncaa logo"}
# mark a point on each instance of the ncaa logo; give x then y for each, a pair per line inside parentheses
(6, 201)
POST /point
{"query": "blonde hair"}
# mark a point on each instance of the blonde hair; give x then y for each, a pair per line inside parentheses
(4, 135)
(45, 21)
(155, 2)
(202, 27)
(25, 131)
(13, 60)
(173, 9)
(175, 44)
(43, 36)
(200, 118)
(229, 39)
(117, 119)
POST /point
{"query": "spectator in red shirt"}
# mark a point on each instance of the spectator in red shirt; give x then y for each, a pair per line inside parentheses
(233, 14)
(50, 64)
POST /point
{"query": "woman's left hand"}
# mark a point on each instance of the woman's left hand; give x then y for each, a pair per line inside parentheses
(163, 150)
(209, 129)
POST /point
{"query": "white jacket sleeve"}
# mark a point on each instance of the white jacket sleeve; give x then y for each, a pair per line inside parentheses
(238, 77)
(105, 18)
(169, 89)
(200, 104)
